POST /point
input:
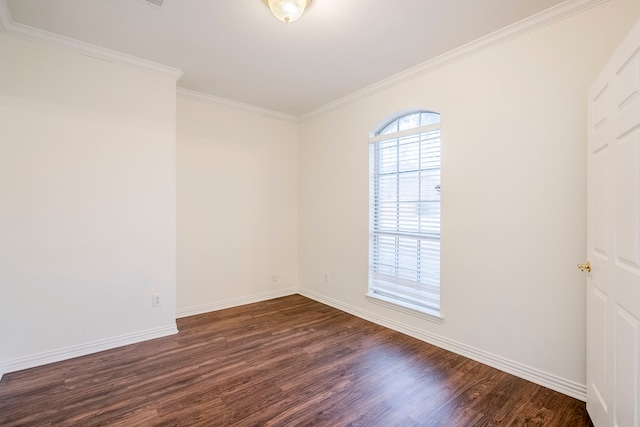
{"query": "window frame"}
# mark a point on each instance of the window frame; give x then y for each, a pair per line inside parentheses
(392, 130)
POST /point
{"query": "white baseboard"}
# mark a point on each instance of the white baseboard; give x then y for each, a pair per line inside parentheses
(234, 302)
(58, 355)
(545, 379)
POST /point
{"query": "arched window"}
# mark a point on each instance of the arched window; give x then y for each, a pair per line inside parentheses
(404, 212)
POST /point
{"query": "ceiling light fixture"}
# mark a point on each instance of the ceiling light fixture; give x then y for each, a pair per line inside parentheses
(287, 10)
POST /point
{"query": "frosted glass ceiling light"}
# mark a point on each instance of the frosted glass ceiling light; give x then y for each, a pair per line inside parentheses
(287, 10)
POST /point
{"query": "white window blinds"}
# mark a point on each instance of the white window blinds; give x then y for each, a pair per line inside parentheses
(404, 222)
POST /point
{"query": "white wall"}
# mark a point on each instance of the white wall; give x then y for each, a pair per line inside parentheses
(237, 206)
(513, 198)
(87, 203)
(88, 199)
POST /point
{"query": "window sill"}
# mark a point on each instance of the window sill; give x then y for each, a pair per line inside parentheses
(423, 313)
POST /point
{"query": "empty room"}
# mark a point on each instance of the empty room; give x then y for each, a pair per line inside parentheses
(320, 212)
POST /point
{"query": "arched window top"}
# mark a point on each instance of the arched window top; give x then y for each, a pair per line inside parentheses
(411, 120)
(404, 212)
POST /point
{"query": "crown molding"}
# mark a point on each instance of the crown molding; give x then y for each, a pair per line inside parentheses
(527, 25)
(556, 13)
(9, 27)
(239, 105)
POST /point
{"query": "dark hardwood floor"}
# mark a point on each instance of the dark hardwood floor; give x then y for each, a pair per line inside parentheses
(285, 362)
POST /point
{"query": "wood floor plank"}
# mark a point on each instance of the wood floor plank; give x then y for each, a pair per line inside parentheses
(284, 362)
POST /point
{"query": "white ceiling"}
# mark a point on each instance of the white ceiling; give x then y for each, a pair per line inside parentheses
(235, 49)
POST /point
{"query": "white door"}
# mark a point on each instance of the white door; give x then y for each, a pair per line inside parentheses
(613, 243)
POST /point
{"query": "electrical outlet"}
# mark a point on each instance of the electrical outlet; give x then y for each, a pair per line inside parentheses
(274, 277)
(156, 300)
(326, 277)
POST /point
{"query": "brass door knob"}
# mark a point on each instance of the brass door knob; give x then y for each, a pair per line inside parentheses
(585, 267)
